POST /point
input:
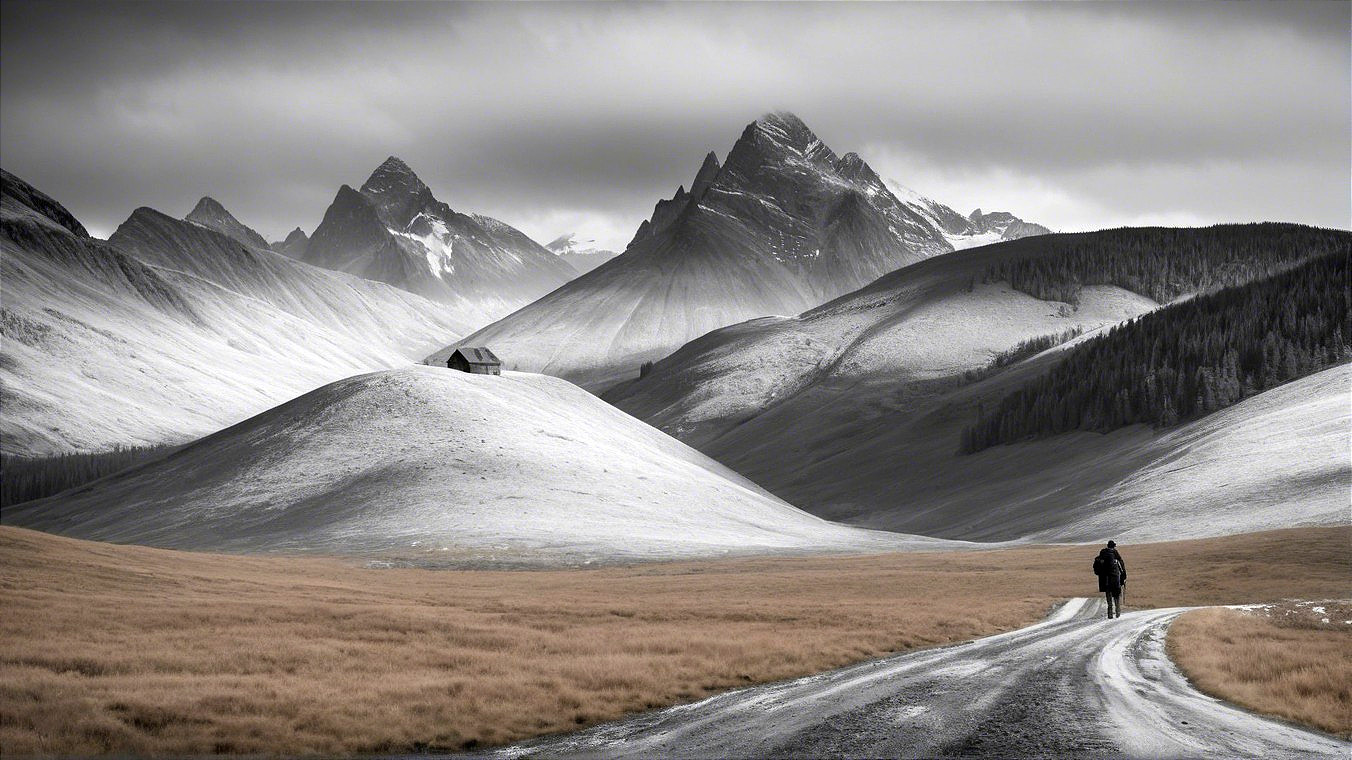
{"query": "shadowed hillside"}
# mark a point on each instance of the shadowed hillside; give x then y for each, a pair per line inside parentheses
(855, 410)
(1186, 360)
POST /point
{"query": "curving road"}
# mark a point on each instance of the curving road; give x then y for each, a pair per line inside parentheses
(1074, 685)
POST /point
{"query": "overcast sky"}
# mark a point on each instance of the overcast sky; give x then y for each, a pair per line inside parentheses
(564, 117)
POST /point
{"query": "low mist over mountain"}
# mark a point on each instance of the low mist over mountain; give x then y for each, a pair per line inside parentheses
(395, 231)
(172, 330)
(780, 226)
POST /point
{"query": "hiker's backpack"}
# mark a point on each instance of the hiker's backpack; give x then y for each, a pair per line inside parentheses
(1099, 566)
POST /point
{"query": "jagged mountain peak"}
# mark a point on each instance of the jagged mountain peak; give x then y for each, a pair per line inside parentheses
(708, 172)
(396, 231)
(392, 173)
(777, 139)
(393, 166)
(207, 205)
(346, 196)
(211, 214)
(786, 128)
(397, 191)
(144, 214)
(1004, 224)
(294, 245)
(782, 120)
(853, 167)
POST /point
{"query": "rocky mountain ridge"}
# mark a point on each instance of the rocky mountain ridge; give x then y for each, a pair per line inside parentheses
(394, 230)
(780, 226)
(211, 214)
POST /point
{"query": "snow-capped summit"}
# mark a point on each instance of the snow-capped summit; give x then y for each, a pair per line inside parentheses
(780, 226)
(395, 230)
(211, 214)
(583, 254)
(966, 231)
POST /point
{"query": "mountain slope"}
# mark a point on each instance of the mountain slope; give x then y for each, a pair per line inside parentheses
(1275, 460)
(453, 467)
(781, 226)
(211, 214)
(102, 348)
(394, 230)
(854, 410)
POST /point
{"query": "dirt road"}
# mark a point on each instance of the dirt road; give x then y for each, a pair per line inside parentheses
(1074, 685)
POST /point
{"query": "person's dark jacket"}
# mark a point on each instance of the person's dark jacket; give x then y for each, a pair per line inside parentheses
(1111, 570)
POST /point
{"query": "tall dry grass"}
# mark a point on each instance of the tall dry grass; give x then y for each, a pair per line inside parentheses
(1287, 660)
(118, 649)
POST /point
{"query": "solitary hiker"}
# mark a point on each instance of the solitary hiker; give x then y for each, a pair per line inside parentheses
(1112, 575)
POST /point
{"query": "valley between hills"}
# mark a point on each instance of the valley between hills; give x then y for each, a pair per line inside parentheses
(806, 418)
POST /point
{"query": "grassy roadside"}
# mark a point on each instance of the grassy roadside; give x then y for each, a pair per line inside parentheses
(125, 649)
(1292, 660)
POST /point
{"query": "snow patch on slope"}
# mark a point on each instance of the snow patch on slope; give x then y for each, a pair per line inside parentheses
(1276, 460)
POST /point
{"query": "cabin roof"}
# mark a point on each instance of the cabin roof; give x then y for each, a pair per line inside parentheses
(477, 355)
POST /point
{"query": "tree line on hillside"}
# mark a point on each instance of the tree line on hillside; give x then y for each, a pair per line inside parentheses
(1162, 263)
(1023, 350)
(24, 478)
(1186, 360)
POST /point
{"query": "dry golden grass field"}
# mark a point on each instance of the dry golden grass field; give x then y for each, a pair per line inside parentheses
(133, 650)
(1290, 660)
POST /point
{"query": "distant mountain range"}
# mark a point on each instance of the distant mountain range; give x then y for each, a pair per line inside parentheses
(171, 329)
(782, 225)
(582, 254)
(394, 230)
(211, 214)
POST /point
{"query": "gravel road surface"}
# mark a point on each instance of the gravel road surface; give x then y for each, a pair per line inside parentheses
(1075, 685)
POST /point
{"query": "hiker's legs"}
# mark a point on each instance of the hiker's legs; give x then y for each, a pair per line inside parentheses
(1115, 607)
(1110, 603)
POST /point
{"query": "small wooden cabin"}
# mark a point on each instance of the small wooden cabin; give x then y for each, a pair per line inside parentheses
(476, 360)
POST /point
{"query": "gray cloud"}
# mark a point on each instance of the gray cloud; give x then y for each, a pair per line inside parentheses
(560, 115)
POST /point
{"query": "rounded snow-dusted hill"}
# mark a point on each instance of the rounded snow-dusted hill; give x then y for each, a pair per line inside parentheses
(435, 464)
